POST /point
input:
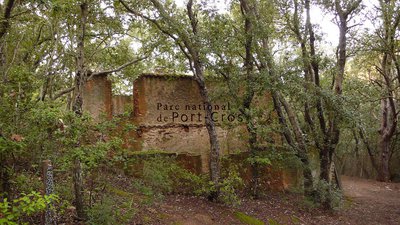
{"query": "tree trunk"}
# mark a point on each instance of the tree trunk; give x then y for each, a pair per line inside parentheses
(255, 167)
(331, 136)
(77, 108)
(325, 164)
(369, 150)
(212, 133)
(248, 12)
(391, 21)
(215, 150)
(384, 172)
(78, 188)
(198, 70)
(5, 179)
(301, 148)
(5, 23)
(386, 134)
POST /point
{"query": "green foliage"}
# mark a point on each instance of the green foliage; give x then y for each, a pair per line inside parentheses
(26, 205)
(111, 211)
(263, 161)
(230, 184)
(26, 183)
(146, 190)
(156, 174)
(53, 133)
(162, 175)
(7, 146)
(102, 213)
(95, 141)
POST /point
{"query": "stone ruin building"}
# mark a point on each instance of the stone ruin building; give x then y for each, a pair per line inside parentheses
(169, 116)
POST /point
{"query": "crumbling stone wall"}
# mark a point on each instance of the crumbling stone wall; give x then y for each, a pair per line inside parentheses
(120, 104)
(97, 97)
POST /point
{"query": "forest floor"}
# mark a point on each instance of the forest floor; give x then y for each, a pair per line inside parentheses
(365, 202)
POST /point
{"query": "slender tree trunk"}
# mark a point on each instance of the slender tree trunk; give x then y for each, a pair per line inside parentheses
(214, 144)
(369, 150)
(301, 147)
(198, 69)
(384, 172)
(311, 74)
(78, 189)
(298, 143)
(255, 167)
(77, 108)
(248, 12)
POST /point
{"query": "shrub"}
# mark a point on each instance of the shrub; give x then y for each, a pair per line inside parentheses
(27, 205)
(157, 174)
(112, 209)
(102, 213)
(327, 195)
(230, 185)
(162, 175)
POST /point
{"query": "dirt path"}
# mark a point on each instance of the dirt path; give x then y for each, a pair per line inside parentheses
(371, 201)
(366, 202)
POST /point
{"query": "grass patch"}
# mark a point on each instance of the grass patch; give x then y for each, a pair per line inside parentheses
(296, 220)
(347, 202)
(248, 219)
(273, 222)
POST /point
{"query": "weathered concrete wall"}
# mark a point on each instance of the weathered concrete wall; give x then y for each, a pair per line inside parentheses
(97, 97)
(171, 117)
(120, 103)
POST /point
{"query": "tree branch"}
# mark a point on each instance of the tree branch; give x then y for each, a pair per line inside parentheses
(162, 29)
(63, 92)
(106, 72)
(192, 16)
(369, 149)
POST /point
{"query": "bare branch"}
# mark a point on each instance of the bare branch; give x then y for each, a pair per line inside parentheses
(63, 92)
(106, 72)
